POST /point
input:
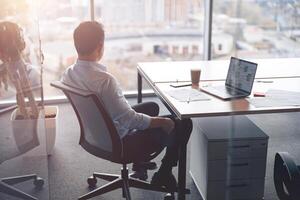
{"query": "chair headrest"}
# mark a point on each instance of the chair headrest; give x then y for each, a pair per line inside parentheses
(66, 88)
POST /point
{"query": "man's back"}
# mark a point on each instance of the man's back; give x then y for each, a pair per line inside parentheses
(93, 77)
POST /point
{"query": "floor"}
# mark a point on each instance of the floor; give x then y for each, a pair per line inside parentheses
(66, 170)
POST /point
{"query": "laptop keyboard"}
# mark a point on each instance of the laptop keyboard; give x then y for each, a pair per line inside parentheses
(229, 91)
(234, 92)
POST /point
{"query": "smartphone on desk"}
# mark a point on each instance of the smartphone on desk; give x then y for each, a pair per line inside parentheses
(178, 84)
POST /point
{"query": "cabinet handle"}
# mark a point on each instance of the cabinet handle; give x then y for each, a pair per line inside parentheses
(240, 146)
(237, 185)
(239, 164)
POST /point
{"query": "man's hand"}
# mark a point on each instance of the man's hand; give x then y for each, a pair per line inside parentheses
(162, 122)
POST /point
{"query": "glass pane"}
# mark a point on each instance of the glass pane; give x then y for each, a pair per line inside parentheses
(57, 21)
(23, 145)
(148, 31)
(255, 29)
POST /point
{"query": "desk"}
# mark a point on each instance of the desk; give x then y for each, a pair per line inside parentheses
(159, 75)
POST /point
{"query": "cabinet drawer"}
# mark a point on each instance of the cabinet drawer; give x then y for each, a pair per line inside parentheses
(236, 169)
(236, 190)
(237, 149)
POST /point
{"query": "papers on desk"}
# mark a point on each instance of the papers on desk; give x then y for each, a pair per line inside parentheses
(277, 98)
(187, 95)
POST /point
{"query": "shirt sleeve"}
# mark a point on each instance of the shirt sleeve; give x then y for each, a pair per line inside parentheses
(119, 108)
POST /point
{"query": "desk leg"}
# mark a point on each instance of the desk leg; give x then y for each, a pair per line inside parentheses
(139, 87)
(182, 172)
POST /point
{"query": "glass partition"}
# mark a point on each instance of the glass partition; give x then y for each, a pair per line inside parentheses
(239, 150)
(23, 136)
(57, 21)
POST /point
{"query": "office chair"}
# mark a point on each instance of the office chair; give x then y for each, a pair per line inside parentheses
(99, 137)
(11, 147)
(286, 177)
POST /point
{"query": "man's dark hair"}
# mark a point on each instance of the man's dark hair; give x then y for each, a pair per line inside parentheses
(87, 36)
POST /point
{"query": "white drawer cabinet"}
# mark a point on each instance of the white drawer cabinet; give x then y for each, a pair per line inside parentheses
(236, 189)
(237, 149)
(236, 169)
(228, 158)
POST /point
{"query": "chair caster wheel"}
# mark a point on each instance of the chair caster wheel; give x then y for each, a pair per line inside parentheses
(38, 182)
(92, 181)
(169, 196)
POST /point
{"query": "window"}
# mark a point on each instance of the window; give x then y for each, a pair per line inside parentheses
(158, 30)
(21, 13)
(220, 47)
(185, 50)
(57, 21)
(164, 29)
(256, 29)
(195, 50)
(175, 50)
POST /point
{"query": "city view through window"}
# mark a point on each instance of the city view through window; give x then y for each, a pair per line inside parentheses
(154, 30)
(256, 28)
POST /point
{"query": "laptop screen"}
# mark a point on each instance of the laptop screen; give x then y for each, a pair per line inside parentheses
(241, 74)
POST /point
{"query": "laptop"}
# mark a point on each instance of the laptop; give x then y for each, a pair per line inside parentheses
(239, 81)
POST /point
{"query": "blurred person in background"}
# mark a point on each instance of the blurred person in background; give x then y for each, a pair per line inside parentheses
(13, 56)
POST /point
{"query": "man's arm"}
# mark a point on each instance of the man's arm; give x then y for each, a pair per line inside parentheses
(125, 115)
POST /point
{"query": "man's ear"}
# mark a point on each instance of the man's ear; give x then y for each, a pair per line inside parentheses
(100, 49)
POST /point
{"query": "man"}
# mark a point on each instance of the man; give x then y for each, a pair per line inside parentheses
(139, 127)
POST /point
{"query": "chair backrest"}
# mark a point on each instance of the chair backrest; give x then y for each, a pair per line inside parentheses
(98, 133)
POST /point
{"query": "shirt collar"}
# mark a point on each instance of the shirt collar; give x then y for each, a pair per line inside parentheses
(91, 64)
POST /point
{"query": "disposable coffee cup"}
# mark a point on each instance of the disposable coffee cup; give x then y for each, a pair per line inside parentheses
(195, 76)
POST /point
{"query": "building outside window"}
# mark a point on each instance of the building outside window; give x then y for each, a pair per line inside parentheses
(256, 28)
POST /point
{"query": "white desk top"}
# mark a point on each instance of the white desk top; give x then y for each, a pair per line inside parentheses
(286, 72)
(216, 70)
(218, 107)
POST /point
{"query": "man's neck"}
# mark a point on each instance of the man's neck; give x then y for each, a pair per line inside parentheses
(87, 58)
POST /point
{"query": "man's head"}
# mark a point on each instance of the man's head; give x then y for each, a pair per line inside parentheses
(89, 40)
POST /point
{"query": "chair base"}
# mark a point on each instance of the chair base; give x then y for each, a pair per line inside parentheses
(6, 188)
(123, 181)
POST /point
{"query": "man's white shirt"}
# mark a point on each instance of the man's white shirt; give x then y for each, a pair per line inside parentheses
(94, 77)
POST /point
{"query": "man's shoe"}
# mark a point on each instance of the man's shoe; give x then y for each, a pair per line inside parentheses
(165, 179)
(144, 165)
(140, 174)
